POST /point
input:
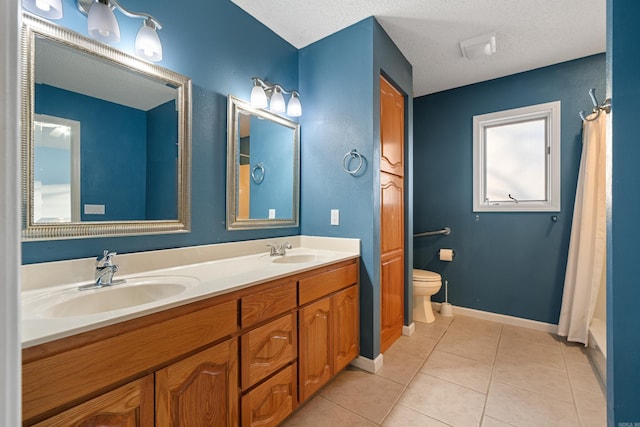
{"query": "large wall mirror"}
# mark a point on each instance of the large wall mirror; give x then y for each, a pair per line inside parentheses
(106, 139)
(263, 167)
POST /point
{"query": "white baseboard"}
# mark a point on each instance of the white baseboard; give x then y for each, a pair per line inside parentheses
(409, 330)
(502, 318)
(367, 364)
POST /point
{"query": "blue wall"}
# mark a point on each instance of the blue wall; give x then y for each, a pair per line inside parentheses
(162, 162)
(341, 75)
(110, 153)
(220, 47)
(267, 147)
(623, 232)
(508, 263)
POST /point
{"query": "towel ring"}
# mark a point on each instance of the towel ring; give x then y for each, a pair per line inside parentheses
(346, 160)
(257, 173)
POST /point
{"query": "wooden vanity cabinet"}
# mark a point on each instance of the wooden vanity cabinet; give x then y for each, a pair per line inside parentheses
(327, 327)
(245, 358)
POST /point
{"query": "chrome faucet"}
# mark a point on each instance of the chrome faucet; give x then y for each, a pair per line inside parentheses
(279, 250)
(105, 269)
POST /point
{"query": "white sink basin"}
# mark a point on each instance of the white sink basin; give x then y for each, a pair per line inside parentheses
(135, 292)
(297, 259)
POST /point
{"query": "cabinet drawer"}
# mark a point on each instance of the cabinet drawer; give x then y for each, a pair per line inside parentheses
(54, 380)
(314, 287)
(129, 405)
(267, 349)
(268, 303)
(270, 403)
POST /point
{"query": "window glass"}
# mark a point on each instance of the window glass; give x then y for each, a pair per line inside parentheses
(516, 159)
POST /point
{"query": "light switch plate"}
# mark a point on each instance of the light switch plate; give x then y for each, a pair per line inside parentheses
(335, 217)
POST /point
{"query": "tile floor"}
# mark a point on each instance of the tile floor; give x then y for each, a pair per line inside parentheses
(463, 371)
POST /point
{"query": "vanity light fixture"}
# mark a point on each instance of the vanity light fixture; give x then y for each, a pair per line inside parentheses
(103, 26)
(50, 9)
(264, 91)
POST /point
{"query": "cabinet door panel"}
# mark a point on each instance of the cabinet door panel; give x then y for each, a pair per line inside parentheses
(128, 406)
(316, 352)
(391, 213)
(267, 349)
(391, 129)
(392, 299)
(346, 326)
(200, 390)
(272, 401)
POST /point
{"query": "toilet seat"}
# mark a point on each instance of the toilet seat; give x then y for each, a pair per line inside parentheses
(425, 276)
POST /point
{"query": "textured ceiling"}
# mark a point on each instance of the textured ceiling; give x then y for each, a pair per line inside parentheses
(530, 33)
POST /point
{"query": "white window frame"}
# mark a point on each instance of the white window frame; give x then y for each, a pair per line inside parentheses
(550, 112)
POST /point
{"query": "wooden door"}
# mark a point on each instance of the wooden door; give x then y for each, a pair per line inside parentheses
(128, 406)
(391, 214)
(346, 327)
(316, 354)
(391, 129)
(201, 390)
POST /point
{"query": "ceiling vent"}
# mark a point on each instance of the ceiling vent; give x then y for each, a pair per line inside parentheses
(479, 47)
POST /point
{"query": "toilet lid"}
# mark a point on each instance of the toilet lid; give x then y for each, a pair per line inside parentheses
(425, 276)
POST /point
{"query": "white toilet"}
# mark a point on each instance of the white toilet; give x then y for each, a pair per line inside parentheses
(425, 284)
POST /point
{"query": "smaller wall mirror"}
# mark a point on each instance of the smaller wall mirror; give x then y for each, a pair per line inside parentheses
(263, 167)
(106, 141)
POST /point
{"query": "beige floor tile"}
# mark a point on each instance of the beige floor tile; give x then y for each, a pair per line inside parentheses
(401, 416)
(551, 382)
(532, 336)
(591, 407)
(366, 394)
(492, 422)
(575, 353)
(400, 365)
(419, 346)
(319, 412)
(435, 329)
(477, 347)
(530, 353)
(473, 326)
(583, 377)
(525, 408)
(444, 401)
(460, 370)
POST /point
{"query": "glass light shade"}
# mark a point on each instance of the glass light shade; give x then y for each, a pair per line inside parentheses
(277, 102)
(294, 108)
(258, 97)
(102, 23)
(148, 44)
(50, 9)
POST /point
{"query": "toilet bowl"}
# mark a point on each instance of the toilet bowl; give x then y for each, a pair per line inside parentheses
(425, 284)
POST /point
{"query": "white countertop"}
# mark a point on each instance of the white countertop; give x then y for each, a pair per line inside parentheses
(201, 280)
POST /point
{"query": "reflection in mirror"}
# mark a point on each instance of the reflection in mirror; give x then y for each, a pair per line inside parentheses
(56, 169)
(262, 168)
(125, 166)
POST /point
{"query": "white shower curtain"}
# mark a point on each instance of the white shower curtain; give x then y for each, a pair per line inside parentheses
(587, 249)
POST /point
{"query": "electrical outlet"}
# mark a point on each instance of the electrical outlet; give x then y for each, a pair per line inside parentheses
(335, 217)
(94, 209)
(272, 214)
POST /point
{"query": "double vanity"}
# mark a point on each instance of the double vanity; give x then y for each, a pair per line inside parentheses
(222, 334)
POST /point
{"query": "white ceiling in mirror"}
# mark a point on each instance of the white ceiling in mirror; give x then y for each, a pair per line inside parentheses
(530, 34)
(57, 66)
